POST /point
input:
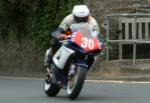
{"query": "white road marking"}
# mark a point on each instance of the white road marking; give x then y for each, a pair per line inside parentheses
(113, 81)
(20, 78)
(101, 81)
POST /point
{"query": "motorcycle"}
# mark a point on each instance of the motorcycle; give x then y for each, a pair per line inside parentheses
(72, 61)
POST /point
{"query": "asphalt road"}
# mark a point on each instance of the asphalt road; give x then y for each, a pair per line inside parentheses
(13, 90)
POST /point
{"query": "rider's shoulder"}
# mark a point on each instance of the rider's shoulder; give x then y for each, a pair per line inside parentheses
(92, 20)
(69, 17)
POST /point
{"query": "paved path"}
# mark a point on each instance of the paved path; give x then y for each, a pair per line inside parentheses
(14, 90)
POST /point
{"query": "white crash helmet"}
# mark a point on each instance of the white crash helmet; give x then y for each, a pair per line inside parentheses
(80, 13)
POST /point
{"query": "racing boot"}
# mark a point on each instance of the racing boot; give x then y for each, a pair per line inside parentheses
(48, 59)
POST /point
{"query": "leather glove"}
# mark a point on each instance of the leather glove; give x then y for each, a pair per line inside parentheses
(62, 37)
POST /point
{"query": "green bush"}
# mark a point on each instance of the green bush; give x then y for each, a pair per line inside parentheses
(32, 19)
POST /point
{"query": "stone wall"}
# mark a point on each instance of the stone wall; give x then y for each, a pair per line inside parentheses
(19, 58)
(100, 8)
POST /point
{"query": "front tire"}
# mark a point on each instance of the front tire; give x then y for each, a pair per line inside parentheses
(75, 85)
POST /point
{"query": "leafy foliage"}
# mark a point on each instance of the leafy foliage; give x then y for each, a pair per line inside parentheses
(32, 19)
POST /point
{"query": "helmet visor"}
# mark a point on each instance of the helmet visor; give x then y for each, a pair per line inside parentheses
(80, 19)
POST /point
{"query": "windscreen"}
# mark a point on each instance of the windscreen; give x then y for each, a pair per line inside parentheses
(83, 37)
(84, 28)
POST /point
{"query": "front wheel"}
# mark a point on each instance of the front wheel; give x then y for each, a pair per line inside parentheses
(76, 82)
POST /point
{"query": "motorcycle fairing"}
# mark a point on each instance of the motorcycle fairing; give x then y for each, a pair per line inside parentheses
(82, 63)
(61, 56)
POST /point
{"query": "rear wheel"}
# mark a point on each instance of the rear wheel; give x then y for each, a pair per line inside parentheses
(76, 82)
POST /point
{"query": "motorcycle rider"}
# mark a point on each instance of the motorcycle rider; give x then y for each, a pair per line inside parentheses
(80, 13)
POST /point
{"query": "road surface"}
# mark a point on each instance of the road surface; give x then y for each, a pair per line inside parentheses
(20, 90)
